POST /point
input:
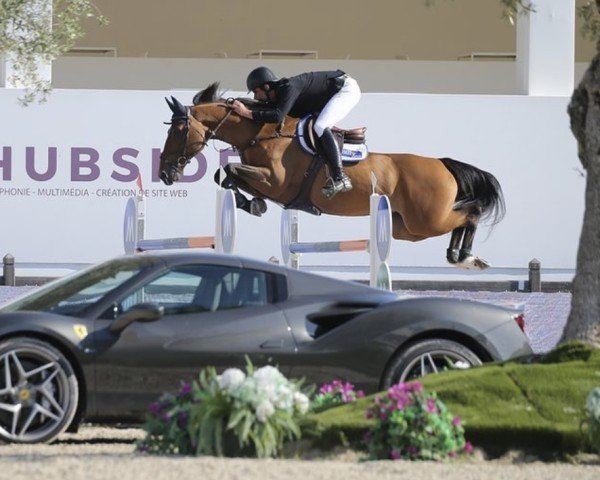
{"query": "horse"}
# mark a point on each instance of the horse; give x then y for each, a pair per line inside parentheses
(429, 197)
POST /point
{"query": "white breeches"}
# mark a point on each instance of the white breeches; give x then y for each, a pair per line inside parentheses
(338, 106)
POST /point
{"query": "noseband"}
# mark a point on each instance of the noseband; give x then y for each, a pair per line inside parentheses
(184, 159)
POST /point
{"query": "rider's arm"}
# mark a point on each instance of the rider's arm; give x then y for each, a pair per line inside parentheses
(286, 97)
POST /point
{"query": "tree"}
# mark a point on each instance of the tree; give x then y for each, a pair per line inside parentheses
(584, 111)
(33, 31)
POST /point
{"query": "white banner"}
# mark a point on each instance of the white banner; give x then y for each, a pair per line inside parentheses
(68, 167)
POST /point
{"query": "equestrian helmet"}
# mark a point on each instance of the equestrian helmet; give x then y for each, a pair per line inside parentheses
(258, 77)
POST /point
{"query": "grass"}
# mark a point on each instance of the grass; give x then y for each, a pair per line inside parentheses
(536, 406)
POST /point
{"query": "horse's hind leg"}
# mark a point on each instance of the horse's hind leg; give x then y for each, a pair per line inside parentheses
(399, 231)
(465, 257)
(453, 254)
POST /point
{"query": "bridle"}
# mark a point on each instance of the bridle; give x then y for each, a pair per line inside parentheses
(210, 134)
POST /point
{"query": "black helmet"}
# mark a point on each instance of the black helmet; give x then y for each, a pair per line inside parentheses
(258, 77)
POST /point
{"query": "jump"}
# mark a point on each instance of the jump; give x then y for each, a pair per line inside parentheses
(429, 197)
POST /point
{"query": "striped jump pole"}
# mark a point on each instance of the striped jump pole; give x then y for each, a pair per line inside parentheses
(223, 241)
(378, 244)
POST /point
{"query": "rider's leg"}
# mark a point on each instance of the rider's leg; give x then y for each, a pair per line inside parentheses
(338, 106)
(339, 180)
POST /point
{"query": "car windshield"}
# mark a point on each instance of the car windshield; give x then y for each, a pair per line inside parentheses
(72, 294)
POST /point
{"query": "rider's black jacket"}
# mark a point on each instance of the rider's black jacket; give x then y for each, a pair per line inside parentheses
(300, 95)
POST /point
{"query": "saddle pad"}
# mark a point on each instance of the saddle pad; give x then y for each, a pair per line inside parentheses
(351, 153)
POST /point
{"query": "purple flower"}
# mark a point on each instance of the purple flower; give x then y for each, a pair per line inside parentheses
(395, 454)
(154, 408)
(456, 421)
(182, 419)
(369, 414)
(186, 389)
(468, 449)
(143, 448)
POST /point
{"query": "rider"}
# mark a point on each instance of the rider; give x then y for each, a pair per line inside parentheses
(332, 94)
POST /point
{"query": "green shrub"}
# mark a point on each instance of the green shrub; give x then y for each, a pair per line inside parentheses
(414, 425)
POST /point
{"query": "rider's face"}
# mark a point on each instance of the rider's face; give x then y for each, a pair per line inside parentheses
(260, 94)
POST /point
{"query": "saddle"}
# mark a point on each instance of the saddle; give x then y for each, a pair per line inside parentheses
(351, 142)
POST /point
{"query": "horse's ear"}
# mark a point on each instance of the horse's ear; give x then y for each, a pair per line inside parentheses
(170, 104)
(178, 109)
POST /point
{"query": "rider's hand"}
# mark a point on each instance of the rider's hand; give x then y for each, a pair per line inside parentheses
(241, 109)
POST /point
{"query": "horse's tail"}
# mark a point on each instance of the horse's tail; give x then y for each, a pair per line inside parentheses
(478, 191)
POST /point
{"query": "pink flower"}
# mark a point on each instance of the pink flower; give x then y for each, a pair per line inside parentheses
(395, 454)
(431, 406)
(468, 449)
(456, 421)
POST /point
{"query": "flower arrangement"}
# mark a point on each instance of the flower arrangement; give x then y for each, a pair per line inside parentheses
(335, 393)
(231, 414)
(592, 418)
(412, 424)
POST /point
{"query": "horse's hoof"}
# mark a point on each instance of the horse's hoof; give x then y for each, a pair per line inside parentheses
(473, 263)
(258, 206)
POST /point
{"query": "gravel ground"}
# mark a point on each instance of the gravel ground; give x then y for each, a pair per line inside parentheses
(99, 452)
(108, 453)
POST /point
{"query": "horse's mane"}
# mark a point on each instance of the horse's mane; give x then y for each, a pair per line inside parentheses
(212, 94)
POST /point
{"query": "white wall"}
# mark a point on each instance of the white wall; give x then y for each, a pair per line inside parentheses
(524, 141)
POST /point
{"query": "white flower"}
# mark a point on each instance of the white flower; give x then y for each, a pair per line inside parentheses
(231, 379)
(264, 410)
(268, 375)
(301, 402)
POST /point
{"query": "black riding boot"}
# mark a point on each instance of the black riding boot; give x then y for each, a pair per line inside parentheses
(339, 181)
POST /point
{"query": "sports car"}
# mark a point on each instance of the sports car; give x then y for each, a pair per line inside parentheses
(102, 344)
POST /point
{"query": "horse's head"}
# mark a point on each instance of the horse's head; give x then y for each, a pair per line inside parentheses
(191, 129)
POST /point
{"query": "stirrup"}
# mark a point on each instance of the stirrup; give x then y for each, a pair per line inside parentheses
(333, 187)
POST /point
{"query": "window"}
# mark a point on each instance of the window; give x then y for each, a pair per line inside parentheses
(73, 294)
(205, 288)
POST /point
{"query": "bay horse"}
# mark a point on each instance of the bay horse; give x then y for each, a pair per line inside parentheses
(428, 196)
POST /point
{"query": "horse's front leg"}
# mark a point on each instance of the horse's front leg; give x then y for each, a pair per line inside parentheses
(254, 206)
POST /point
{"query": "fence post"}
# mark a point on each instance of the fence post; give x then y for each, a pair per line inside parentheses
(535, 281)
(9, 270)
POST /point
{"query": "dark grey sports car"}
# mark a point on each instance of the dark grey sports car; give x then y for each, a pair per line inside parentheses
(104, 343)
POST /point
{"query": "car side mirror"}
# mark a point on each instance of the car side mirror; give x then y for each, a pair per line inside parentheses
(142, 312)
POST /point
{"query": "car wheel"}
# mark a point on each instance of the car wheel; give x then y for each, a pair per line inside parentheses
(428, 356)
(38, 391)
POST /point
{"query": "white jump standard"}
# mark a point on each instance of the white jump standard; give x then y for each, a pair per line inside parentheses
(378, 245)
(223, 241)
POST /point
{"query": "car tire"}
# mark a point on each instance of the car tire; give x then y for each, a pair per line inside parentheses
(39, 391)
(428, 356)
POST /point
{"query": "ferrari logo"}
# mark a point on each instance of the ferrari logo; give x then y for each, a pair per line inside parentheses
(80, 331)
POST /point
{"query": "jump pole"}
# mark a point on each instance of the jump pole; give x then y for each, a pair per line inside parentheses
(378, 245)
(223, 241)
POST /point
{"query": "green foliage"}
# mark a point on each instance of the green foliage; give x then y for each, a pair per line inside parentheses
(233, 414)
(510, 405)
(411, 424)
(590, 17)
(31, 32)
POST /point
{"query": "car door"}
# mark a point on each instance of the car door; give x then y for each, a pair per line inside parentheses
(215, 315)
